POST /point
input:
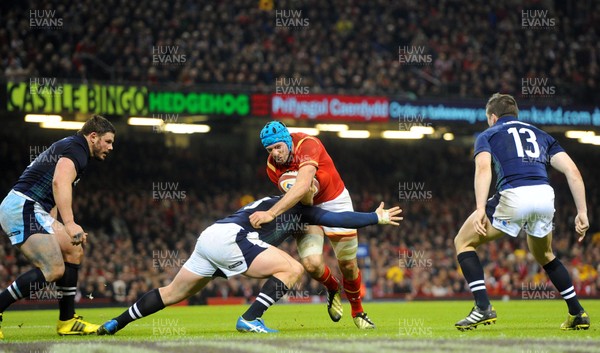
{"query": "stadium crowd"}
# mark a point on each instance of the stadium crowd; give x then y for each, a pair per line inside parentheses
(146, 205)
(413, 48)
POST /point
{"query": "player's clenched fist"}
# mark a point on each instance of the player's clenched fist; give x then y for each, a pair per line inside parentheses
(260, 217)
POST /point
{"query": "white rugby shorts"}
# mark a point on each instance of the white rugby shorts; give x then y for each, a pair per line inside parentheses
(530, 207)
(224, 250)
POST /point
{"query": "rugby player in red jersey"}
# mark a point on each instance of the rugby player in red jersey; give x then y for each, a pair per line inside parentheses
(307, 155)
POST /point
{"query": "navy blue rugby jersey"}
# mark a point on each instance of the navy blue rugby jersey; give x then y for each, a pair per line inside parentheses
(294, 220)
(520, 152)
(36, 180)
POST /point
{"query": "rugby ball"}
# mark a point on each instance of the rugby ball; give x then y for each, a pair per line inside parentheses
(287, 180)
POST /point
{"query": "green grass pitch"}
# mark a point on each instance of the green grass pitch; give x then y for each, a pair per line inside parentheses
(524, 326)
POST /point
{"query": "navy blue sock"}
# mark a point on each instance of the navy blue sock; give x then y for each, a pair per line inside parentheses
(30, 281)
(473, 272)
(67, 286)
(148, 304)
(271, 292)
(559, 276)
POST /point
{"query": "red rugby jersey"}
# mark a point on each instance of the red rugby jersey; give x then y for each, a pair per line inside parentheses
(308, 150)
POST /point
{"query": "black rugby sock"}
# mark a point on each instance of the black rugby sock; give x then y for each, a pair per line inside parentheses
(559, 276)
(270, 293)
(148, 304)
(67, 286)
(30, 281)
(473, 273)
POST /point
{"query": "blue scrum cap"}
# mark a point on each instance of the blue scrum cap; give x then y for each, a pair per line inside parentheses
(273, 132)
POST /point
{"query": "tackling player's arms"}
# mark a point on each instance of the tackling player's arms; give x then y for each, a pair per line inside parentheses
(351, 219)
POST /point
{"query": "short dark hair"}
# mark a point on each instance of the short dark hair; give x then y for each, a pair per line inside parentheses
(502, 105)
(97, 124)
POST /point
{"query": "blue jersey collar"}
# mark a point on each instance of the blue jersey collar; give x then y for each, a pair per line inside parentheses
(506, 119)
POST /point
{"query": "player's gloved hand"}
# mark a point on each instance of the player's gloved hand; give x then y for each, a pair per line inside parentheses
(389, 216)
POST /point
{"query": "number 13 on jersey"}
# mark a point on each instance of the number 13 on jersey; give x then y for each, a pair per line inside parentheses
(534, 152)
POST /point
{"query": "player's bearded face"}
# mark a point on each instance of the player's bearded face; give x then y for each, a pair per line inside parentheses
(102, 145)
(279, 152)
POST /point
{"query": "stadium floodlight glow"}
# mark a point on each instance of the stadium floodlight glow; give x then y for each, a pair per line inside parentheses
(42, 118)
(141, 121)
(593, 140)
(404, 135)
(577, 134)
(187, 128)
(448, 136)
(64, 125)
(354, 134)
(425, 130)
(332, 127)
(307, 130)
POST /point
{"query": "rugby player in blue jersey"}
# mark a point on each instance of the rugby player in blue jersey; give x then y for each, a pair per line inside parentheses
(28, 215)
(519, 153)
(232, 246)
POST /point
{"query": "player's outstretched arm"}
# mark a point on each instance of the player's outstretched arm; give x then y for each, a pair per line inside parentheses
(564, 164)
(315, 215)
